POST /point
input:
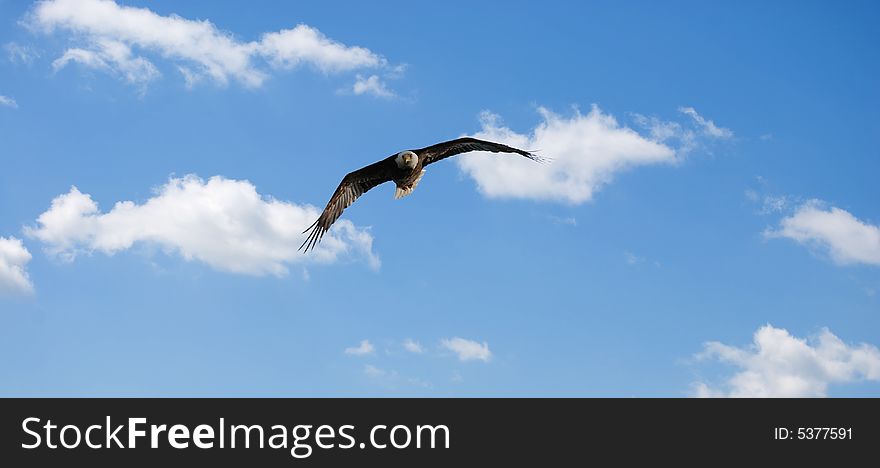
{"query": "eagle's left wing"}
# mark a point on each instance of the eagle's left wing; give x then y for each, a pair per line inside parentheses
(353, 185)
(434, 153)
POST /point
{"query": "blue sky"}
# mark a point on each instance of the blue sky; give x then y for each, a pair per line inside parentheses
(708, 225)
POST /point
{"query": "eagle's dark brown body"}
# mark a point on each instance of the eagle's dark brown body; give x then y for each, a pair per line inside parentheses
(405, 169)
(410, 177)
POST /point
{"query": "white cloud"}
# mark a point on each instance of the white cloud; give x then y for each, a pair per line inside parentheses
(14, 258)
(778, 364)
(114, 57)
(306, 45)
(224, 223)
(371, 85)
(83, 57)
(774, 204)
(374, 372)
(565, 221)
(708, 126)
(8, 102)
(190, 77)
(364, 348)
(392, 379)
(687, 136)
(467, 350)
(413, 346)
(197, 47)
(18, 53)
(632, 259)
(667, 132)
(752, 195)
(846, 238)
(586, 152)
(770, 204)
(396, 72)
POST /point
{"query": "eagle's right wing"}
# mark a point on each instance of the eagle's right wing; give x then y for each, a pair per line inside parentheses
(353, 185)
(440, 151)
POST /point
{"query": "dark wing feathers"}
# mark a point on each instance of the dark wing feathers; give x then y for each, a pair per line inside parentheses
(352, 186)
(446, 149)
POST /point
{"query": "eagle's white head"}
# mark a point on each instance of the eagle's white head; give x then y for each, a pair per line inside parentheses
(407, 159)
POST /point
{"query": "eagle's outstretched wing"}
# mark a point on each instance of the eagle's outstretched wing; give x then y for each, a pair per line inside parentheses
(434, 153)
(352, 186)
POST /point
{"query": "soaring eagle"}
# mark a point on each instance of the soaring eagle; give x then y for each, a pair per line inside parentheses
(405, 168)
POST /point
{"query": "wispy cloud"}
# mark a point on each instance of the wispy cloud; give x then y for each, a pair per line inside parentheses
(413, 346)
(844, 237)
(632, 259)
(467, 350)
(113, 57)
(224, 223)
(20, 54)
(392, 379)
(637, 261)
(587, 151)
(362, 349)
(14, 258)
(373, 371)
(774, 203)
(565, 221)
(107, 33)
(778, 364)
(707, 125)
(8, 102)
(685, 137)
(769, 203)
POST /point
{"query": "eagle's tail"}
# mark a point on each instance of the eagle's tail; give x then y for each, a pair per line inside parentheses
(406, 190)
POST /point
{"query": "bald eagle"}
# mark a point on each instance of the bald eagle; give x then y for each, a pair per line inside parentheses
(405, 168)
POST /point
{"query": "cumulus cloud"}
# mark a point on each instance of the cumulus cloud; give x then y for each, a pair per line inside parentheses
(844, 237)
(224, 223)
(364, 348)
(413, 346)
(197, 47)
(371, 85)
(586, 152)
(778, 364)
(467, 350)
(8, 102)
(14, 258)
(306, 45)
